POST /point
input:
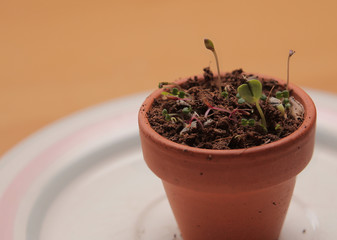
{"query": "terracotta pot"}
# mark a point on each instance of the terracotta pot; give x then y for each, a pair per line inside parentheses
(230, 194)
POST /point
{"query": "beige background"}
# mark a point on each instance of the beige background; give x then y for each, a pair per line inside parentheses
(60, 56)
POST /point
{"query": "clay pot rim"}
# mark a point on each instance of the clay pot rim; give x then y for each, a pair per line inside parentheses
(301, 95)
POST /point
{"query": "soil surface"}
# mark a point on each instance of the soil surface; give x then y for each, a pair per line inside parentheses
(215, 121)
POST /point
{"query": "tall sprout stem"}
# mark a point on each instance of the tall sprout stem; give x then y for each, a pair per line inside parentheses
(210, 46)
(218, 68)
(291, 52)
(288, 71)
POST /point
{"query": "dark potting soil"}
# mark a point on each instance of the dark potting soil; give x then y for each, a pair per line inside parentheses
(209, 128)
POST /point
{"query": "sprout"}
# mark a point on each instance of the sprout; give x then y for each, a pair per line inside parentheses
(181, 94)
(224, 94)
(279, 95)
(252, 92)
(283, 98)
(210, 46)
(187, 110)
(175, 91)
(169, 117)
(263, 97)
(249, 122)
(175, 94)
(280, 107)
(287, 105)
(241, 101)
(291, 52)
(285, 94)
(278, 127)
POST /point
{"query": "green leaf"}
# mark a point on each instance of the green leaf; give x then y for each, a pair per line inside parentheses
(251, 91)
(285, 94)
(241, 101)
(251, 122)
(279, 95)
(245, 93)
(281, 109)
(244, 122)
(164, 112)
(186, 110)
(263, 97)
(175, 91)
(181, 94)
(224, 94)
(165, 93)
(256, 88)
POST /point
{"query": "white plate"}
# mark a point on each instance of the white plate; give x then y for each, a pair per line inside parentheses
(84, 178)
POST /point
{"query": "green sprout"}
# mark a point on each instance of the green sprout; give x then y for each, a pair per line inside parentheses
(210, 46)
(244, 121)
(283, 94)
(247, 122)
(284, 101)
(278, 127)
(251, 92)
(280, 107)
(169, 117)
(176, 94)
(187, 110)
(263, 97)
(241, 100)
(291, 52)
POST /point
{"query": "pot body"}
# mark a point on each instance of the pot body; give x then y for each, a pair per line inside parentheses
(230, 194)
(255, 215)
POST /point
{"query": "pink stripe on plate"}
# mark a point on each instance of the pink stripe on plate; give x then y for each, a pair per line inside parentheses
(12, 197)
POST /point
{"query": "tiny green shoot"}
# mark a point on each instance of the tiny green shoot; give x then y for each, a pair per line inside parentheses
(247, 122)
(169, 117)
(251, 122)
(278, 127)
(176, 94)
(210, 46)
(263, 97)
(280, 107)
(251, 92)
(187, 110)
(241, 100)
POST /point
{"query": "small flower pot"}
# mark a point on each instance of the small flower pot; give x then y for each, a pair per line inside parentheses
(230, 194)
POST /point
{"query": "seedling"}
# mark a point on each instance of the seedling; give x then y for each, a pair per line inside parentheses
(251, 92)
(173, 117)
(278, 127)
(187, 110)
(176, 94)
(210, 46)
(167, 116)
(247, 122)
